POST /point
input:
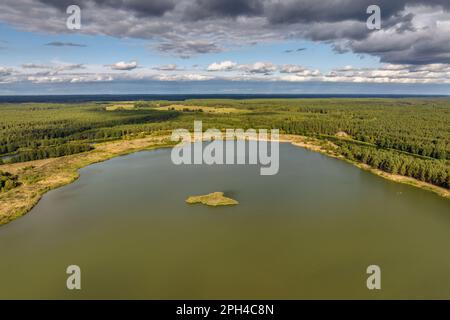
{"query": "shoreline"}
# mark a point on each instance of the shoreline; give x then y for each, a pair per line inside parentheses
(442, 192)
(40, 176)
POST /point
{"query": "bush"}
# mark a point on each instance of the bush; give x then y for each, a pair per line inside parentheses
(8, 181)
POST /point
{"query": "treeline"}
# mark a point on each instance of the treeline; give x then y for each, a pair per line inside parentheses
(51, 152)
(8, 181)
(431, 171)
(435, 147)
(33, 127)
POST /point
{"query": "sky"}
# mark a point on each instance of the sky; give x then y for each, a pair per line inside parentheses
(224, 46)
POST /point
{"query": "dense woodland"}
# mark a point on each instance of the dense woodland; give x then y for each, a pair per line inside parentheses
(410, 137)
(432, 171)
(30, 128)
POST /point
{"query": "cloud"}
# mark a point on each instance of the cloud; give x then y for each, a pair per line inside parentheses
(55, 67)
(413, 31)
(222, 66)
(252, 72)
(389, 73)
(292, 50)
(35, 66)
(291, 68)
(259, 67)
(167, 67)
(207, 9)
(429, 43)
(182, 77)
(139, 7)
(67, 67)
(65, 44)
(185, 49)
(91, 78)
(124, 66)
(5, 71)
(69, 78)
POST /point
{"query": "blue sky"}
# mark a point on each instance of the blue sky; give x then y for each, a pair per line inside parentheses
(30, 47)
(169, 53)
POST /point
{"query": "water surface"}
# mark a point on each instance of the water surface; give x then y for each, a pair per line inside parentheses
(308, 232)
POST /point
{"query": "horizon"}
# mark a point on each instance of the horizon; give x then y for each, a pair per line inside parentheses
(86, 98)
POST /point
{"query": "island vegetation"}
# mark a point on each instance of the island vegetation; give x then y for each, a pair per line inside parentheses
(213, 199)
(42, 145)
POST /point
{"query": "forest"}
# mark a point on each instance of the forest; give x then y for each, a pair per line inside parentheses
(408, 136)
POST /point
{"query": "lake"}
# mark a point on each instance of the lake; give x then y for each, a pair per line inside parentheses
(308, 232)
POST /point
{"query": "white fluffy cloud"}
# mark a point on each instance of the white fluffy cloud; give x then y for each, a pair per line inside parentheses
(291, 68)
(222, 66)
(122, 65)
(182, 77)
(167, 67)
(259, 67)
(5, 71)
(257, 71)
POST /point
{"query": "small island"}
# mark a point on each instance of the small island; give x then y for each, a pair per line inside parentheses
(213, 199)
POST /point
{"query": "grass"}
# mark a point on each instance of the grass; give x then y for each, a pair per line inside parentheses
(189, 108)
(213, 199)
(122, 106)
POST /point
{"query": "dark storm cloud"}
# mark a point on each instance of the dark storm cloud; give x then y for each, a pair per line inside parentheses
(204, 9)
(405, 38)
(306, 11)
(276, 11)
(187, 48)
(413, 31)
(303, 11)
(139, 7)
(300, 11)
(408, 50)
